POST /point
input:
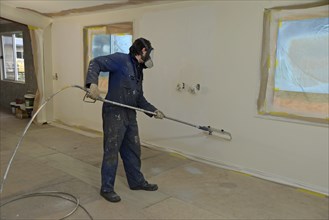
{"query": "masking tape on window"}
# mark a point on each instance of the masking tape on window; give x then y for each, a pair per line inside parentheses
(96, 28)
(32, 27)
(120, 34)
(261, 112)
(280, 24)
(280, 114)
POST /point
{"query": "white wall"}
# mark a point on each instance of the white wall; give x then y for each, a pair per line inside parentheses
(216, 44)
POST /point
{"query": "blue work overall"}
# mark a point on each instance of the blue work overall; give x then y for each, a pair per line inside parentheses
(119, 124)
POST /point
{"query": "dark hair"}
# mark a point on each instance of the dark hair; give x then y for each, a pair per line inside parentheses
(138, 45)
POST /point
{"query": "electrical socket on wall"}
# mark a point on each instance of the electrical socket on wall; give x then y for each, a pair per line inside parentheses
(180, 86)
(55, 76)
(191, 89)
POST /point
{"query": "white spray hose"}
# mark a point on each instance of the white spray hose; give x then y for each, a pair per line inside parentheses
(23, 134)
(62, 195)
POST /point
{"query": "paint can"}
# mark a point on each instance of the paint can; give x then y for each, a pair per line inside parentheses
(29, 110)
(29, 100)
(19, 101)
(13, 107)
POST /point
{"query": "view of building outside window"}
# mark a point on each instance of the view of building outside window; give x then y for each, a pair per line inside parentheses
(105, 44)
(12, 50)
(104, 40)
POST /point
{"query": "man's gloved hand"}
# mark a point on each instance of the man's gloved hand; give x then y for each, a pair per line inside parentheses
(93, 91)
(159, 114)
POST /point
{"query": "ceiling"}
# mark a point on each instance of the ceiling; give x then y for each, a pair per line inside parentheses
(52, 8)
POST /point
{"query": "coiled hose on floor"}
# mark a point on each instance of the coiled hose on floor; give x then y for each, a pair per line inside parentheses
(57, 194)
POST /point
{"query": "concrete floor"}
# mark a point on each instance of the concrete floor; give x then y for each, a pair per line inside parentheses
(55, 159)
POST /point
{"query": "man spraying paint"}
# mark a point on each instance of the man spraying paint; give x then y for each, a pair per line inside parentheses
(119, 124)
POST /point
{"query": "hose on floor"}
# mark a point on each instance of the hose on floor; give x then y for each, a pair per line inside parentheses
(57, 194)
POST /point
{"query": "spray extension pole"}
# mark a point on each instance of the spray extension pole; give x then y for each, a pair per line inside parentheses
(209, 129)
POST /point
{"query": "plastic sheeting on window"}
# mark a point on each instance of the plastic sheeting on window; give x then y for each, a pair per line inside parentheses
(295, 74)
(37, 42)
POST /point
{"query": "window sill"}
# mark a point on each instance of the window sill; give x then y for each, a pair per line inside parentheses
(12, 81)
(289, 120)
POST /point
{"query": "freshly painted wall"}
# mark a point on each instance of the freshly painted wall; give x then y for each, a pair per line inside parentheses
(218, 45)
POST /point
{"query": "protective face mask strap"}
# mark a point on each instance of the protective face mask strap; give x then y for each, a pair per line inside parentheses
(149, 50)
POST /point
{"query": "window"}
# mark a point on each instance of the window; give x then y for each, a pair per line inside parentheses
(12, 54)
(295, 64)
(104, 40)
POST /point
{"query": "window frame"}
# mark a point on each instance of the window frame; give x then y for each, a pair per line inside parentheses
(16, 68)
(271, 24)
(109, 29)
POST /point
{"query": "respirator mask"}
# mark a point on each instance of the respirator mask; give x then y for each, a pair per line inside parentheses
(148, 62)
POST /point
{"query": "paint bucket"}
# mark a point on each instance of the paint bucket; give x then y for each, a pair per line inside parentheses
(29, 100)
(29, 111)
(13, 107)
(19, 101)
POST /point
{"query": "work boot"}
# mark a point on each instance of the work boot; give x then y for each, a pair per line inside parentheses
(146, 186)
(110, 196)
